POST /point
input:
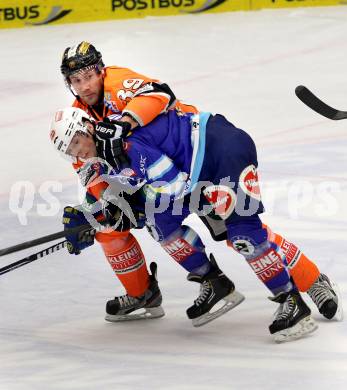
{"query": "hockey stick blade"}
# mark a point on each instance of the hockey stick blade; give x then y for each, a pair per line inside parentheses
(312, 101)
(43, 240)
(33, 257)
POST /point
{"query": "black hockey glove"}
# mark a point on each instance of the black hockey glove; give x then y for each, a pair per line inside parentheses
(117, 219)
(109, 142)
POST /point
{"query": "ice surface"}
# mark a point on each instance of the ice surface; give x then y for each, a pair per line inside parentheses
(246, 66)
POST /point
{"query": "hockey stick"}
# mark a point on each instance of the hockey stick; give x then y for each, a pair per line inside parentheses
(31, 258)
(43, 240)
(311, 100)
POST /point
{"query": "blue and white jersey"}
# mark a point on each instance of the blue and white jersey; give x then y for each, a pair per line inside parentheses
(176, 154)
(167, 155)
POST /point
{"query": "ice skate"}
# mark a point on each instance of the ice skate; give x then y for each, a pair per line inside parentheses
(326, 296)
(292, 319)
(215, 287)
(148, 306)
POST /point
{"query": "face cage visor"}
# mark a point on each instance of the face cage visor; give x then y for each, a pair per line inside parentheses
(96, 67)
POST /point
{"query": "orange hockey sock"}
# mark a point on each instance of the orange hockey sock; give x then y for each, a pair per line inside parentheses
(125, 256)
(303, 271)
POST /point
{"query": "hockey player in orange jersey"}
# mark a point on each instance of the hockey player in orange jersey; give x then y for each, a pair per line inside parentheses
(103, 91)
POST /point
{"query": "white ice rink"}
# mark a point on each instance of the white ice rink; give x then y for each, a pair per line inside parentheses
(246, 66)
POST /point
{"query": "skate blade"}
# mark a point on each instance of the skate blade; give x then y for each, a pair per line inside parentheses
(231, 301)
(339, 312)
(306, 326)
(148, 314)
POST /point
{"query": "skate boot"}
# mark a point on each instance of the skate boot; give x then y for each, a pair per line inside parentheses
(214, 287)
(147, 306)
(292, 319)
(325, 294)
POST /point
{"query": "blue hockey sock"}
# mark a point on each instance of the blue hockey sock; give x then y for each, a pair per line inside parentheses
(187, 249)
(249, 238)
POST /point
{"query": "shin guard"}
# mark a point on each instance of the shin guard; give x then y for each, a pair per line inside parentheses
(126, 258)
(303, 271)
(186, 248)
(249, 238)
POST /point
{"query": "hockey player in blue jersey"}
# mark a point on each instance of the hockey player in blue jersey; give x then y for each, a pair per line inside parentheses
(201, 163)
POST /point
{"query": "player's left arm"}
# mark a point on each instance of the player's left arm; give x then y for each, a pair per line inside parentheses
(149, 101)
(139, 98)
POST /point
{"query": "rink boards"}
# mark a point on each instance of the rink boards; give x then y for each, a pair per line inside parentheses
(25, 13)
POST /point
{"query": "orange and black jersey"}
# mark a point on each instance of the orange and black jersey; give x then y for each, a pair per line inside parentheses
(128, 92)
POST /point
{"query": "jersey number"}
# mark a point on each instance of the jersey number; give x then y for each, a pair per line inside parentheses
(132, 84)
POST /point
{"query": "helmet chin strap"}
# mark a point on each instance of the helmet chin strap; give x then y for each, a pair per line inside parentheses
(92, 134)
(73, 92)
(68, 86)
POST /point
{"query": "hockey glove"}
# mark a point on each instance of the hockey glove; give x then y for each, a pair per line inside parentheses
(109, 142)
(123, 216)
(117, 219)
(73, 217)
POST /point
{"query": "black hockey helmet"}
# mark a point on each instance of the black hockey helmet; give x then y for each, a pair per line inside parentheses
(80, 56)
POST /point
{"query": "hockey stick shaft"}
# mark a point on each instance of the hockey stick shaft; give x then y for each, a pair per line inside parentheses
(33, 257)
(43, 240)
(312, 101)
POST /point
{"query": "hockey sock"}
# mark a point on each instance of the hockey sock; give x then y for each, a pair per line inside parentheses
(248, 237)
(186, 248)
(125, 256)
(303, 271)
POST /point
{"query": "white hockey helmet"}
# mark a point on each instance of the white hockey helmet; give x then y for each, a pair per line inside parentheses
(65, 124)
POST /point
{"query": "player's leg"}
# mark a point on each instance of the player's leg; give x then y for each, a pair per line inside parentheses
(249, 238)
(308, 278)
(184, 245)
(127, 260)
(305, 273)
(235, 198)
